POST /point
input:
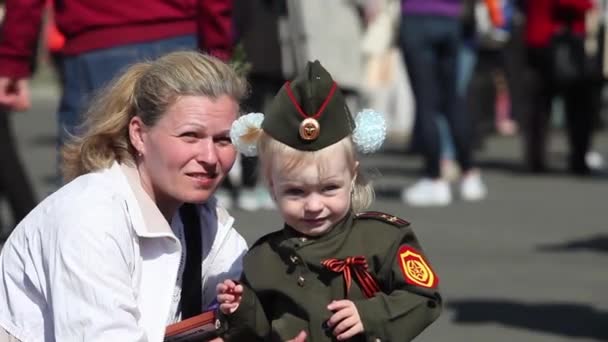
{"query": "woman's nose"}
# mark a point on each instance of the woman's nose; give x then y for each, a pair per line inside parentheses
(207, 153)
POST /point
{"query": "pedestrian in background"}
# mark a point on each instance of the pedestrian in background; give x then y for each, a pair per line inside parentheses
(15, 185)
(257, 31)
(431, 42)
(557, 66)
(102, 38)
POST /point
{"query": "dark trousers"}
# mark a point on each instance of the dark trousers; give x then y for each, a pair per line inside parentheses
(86, 73)
(15, 186)
(581, 101)
(431, 45)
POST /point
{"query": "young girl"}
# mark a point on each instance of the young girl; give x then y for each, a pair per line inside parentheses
(333, 272)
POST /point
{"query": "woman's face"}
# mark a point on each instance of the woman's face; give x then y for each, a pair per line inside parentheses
(187, 154)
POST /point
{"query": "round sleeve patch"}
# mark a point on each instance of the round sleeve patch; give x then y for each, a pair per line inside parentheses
(416, 270)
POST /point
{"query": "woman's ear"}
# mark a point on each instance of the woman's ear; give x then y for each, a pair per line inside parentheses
(136, 134)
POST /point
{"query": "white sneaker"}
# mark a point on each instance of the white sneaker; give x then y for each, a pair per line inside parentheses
(255, 199)
(224, 199)
(428, 192)
(594, 160)
(472, 187)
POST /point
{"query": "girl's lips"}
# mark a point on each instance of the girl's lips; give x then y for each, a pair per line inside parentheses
(314, 222)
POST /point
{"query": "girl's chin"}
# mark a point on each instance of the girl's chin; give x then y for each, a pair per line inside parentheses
(314, 230)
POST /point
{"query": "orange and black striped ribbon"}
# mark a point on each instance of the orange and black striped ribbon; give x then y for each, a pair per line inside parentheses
(358, 265)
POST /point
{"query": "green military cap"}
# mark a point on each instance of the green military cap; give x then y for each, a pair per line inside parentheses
(309, 113)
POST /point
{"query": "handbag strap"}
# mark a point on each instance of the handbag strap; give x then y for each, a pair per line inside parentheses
(191, 300)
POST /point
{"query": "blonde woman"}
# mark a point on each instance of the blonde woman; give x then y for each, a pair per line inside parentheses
(115, 255)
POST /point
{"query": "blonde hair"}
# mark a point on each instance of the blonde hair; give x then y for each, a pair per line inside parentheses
(270, 149)
(146, 90)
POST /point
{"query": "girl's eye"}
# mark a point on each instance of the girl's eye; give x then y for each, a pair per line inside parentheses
(293, 192)
(331, 187)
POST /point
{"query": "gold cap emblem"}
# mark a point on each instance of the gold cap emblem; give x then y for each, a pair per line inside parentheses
(309, 129)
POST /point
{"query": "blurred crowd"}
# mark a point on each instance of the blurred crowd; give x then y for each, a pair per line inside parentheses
(446, 73)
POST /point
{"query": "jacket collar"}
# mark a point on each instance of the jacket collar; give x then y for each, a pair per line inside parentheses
(150, 222)
(341, 226)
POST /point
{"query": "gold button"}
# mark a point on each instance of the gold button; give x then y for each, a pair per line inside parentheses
(294, 259)
(300, 281)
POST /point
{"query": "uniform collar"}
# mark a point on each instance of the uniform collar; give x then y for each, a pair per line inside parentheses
(339, 228)
(152, 222)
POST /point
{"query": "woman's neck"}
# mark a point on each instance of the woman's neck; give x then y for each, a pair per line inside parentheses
(166, 206)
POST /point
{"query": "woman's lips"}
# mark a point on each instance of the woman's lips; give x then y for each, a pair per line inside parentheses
(203, 179)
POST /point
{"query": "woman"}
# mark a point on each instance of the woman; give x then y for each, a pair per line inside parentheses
(103, 258)
(430, 40)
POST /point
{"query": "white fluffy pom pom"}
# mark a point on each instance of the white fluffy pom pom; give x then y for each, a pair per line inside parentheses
(370, 131)
(241, 131)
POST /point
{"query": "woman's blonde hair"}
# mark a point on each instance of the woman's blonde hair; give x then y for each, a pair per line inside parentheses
(272, 151)
(146, 90)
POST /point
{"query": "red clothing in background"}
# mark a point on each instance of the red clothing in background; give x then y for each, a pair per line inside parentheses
(545, 17)
(99, 24)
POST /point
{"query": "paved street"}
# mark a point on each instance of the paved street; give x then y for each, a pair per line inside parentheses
(528, 264)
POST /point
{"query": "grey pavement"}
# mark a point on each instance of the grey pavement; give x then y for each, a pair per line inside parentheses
(530, 263)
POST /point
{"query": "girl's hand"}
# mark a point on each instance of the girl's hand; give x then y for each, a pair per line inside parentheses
(345, 321)
(229, 296)
(300, 338)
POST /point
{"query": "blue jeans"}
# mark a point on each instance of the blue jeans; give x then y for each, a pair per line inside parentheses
(431, 45)
(467, 58)
(85, 74)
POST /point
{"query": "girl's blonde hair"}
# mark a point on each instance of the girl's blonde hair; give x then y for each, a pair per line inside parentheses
(272, 151)
(146, 90)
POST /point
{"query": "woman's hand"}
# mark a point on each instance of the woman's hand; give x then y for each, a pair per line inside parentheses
(229, 296)
(345, 321)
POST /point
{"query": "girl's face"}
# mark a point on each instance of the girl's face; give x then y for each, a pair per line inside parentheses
(313, 196)
(185, 156)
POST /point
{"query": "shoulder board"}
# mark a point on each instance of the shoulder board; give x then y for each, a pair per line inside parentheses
(384, 217)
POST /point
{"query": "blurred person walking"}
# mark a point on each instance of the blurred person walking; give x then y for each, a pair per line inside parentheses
(431, 41)
(491, 13)
(557, 63)
(257, 31)
(330, 31)
(103, 37)
(15, 185)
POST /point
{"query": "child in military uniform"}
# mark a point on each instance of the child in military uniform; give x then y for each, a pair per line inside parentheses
(333, 272)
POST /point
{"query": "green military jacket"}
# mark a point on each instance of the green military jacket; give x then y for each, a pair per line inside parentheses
(287, 288)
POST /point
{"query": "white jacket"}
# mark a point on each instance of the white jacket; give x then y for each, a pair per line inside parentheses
(96, 261)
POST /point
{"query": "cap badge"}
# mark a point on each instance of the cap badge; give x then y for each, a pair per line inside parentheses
(309, 129)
